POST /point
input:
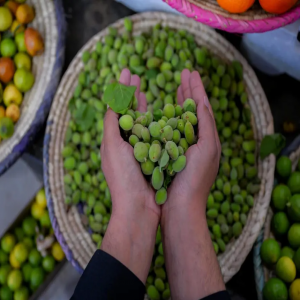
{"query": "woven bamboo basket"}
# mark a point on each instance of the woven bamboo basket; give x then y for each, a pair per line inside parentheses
(50, 22)
(69, 230)
(262, 274)
(254, 20)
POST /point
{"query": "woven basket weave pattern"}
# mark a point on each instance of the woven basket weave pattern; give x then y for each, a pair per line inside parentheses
(50, 22)
(68, 227)
(254, 20)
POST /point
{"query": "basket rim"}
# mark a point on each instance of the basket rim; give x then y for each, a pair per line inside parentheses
(50, 181)
(260, 272)
(234, 25)
(45, 104)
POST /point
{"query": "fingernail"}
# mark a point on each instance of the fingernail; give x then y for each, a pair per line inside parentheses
(206, 102)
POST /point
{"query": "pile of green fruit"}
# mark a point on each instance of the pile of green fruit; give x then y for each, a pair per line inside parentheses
(28, 253)
(164, 157)
(158, 56)
(283, 254)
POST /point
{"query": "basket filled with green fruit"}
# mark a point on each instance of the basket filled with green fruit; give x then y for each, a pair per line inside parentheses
(157, 47)
(31, 58)
(277, 250)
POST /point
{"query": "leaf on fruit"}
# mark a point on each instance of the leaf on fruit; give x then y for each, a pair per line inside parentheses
(272, 144)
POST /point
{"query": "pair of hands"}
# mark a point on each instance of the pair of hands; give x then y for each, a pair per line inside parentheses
(123, 173)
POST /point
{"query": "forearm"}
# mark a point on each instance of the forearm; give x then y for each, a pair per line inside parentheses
(192, 266)
(131, 240)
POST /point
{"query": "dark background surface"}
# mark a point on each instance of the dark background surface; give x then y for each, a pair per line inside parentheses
(87, 17)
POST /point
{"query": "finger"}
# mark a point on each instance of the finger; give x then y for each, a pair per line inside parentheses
(111, 127)
(185, 84)
(180, 98)
(197, 88)
(142, 104)
(136, 81)
(125, 77)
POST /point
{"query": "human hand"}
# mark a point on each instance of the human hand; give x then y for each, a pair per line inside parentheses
(194, 182)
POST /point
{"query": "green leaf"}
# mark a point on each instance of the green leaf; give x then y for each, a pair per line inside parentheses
(167, 181)
(84, 116)
(157, 115)
(163, 160)
(72, 105)
(272, 144)
(152, 73)
(119, 96)
(190, 108)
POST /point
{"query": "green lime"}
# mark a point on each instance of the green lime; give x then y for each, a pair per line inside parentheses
(294, 207)
(295, 290)
(284, 166)
(19, 233)
(6, 128)
(3, 257)
(29, 225)
(5, 18)
(28, 242)
(6, 293)
(26, 271)
(48, 263)
(294, 182)
(294, 235)
(22, 61)
(34, 257)
(37, 277)
(8, 242)
(286, 269)
(23, 80)
(20, 41)
(275, 289)
(8, 48)
(21, 252)
(4, 271)
(22, 293)
(280, 223)
(45, 220)
(270, 251)
(280, 196)
(14, 280)
(287, 251)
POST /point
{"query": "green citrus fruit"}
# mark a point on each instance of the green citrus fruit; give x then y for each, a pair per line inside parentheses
(294, 291)
(28, 242)
(29, 225)
(23, 80)
(40, 198)
(19, 233)
(4, 271)
(26, 271)
(294, 235)
(21, 294)
(48, 263)
(37, 277)
(6, 128)
(8, 48)
(45, 220)
(284, 166)
(21, 252)
(3, 257)
(287, 251)
(8, 242)
(294, 207)
(37, 211)
(20, 41)
(294, 182)
(280, 223)
(270, 251)
(22, 61)
(6, 293)
(280, 196)
(14, 280)
(275, 289)
(34, 257)
(286, 269)
(5, 18)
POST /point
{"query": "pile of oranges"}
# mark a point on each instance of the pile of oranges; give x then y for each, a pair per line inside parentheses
(19, 43)
(270, 6)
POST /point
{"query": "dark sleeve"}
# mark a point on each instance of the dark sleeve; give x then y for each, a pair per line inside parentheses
(105, 278)
(218, 296)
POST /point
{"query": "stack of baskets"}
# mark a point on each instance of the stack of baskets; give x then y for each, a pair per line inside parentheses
(69, 230)
(50, 22)
(254, 20)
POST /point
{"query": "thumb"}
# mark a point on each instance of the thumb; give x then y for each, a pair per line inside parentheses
(111, 128)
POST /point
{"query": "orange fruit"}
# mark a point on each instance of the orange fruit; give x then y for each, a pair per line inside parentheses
(16, 27)
(12, 6)
(7, 69)
(13, 112)
(236, 6)
(277, 6)
(34, 42)
(25, 14)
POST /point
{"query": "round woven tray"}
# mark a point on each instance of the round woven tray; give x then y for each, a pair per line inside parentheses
(254, 20)
(50, 22)
(69, 230)
(261, 273)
